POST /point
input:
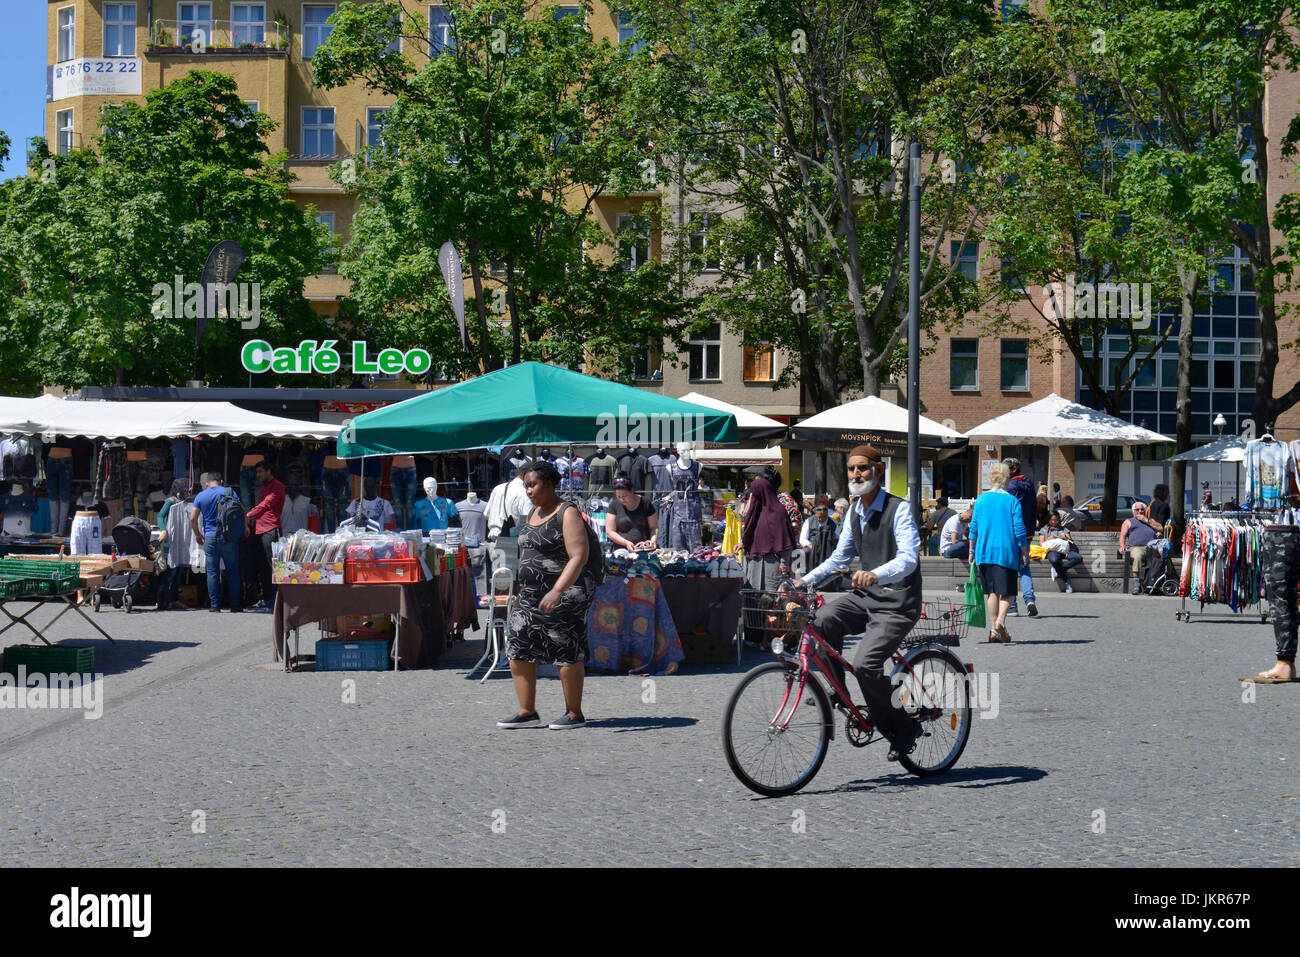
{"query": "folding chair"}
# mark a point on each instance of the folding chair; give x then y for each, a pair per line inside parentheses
(500, 602)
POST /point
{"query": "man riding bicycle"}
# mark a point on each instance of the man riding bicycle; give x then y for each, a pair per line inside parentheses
(881, 531)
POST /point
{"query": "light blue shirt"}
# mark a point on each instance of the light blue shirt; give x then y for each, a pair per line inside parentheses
(897, 568)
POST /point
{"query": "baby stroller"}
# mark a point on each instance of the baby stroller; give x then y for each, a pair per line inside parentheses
(1158, 576)
(129, 588)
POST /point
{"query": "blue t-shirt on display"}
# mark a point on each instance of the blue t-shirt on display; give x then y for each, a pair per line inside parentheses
(206, 502)
(436, 513)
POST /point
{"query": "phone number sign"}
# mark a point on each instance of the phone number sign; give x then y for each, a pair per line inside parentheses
(93, 76)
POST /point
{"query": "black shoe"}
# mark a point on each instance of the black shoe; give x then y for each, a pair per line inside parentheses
(1033, 610)
(215, 611)
(521, 721)
(905, 746)
(236, 611)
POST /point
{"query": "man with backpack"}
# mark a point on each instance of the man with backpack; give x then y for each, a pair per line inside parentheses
(223, 526)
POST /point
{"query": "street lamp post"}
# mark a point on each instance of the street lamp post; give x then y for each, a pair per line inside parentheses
(1220, 423)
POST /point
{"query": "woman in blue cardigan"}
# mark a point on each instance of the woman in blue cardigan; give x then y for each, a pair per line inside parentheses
(999, 547)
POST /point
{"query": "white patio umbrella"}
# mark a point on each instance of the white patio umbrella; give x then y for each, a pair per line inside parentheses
(1055, 421)
(751, 424)
(1231, 449)
(875, 422)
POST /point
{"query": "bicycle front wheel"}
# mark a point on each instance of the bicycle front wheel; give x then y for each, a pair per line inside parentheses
(937, 692)
(766, 757)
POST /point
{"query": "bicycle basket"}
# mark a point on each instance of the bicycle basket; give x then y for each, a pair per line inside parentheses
(941, 622)
(773, 614)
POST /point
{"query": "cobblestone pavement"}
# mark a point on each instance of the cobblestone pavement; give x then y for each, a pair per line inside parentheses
(1106, 704)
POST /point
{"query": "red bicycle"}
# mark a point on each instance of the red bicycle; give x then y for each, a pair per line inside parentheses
(778, 722)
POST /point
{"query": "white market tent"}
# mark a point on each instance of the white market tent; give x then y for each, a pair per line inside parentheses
(1231, 449)
(871, 421)
(750, 424)
(729, 456)
(1055, 421)
(150, 420)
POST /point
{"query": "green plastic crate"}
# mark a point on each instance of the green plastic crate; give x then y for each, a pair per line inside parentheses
(50, 659)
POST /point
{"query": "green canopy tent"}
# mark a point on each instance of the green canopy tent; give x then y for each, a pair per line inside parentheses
(532, 404)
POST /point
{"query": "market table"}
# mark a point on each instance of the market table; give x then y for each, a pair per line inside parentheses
(69, 602)
(640, 620)
(417, 606)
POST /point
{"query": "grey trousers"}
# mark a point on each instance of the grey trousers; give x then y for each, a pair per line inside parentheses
(882, 633)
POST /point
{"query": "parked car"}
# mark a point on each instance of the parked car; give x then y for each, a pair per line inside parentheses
(1089, 510)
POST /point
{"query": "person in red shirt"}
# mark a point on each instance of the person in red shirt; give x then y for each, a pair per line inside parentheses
(264, 523)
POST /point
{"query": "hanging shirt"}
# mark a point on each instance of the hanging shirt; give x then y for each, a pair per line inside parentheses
(378, 510)
(434, 513)
(1270, 473)
(473, 521)
(17, 511)
(298, 510)
(601, 470)
(637, 468)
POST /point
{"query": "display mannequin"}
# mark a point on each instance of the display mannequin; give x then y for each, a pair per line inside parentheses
(373, 508)
(472, 512)
(298, 511)
(601, 468)
(636, 466)
(335, 490)
(685, 511)
(546, 456)
(435, 511)
(517, 460)
(58, 481)
(573, 471)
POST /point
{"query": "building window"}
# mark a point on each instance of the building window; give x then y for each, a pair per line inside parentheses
(315, 29)
(706, 354)
(1010, 8)
(1146, 375)
(318, 131)
(567, 11)
(247, 24)
(395, 45)
(1015, 365)
(633, 242)
(440, 30)
(627, 35)
(67, 33)
(758, 365)
(119, 29)
(1011, 277)
(63, 131)
(644, 367)
(965, 256)
(194, 22)
(756, 261)
(327, 219)
(375, 119)
(964, 365)
(703, 256)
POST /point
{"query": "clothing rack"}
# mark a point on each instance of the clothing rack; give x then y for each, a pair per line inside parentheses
(1206, 519)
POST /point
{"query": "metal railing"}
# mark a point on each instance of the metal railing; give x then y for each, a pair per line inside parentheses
(218, 36)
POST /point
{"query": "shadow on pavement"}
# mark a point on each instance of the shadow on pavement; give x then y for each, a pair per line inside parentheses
(127, 654)
(976, 777)
(640, 724)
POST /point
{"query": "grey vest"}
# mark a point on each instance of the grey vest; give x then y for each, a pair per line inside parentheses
(879, 547)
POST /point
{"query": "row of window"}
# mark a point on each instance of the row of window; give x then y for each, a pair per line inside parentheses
(248, 26)
(964, 365)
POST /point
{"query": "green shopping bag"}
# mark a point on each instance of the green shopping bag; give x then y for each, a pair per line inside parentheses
(975, 615)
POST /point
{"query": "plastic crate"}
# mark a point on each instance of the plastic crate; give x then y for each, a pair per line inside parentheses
(361, 571)
(365, 655)
(50, 659)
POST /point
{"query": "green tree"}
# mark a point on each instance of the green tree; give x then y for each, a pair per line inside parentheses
(503, 144)
(93, 233)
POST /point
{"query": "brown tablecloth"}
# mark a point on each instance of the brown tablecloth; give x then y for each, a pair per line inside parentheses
(711, 603)
(417, 606)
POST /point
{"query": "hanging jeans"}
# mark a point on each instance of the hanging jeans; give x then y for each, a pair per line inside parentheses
(1281, 555)
(58, 478)
(336, 493)
(249, 486)
(404, 485)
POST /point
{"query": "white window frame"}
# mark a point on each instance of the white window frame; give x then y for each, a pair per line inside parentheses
(318, 128)
(67, 33)
(635, 241)
(447, 41)
(372, 126)
(326, 217)
(60, 128)
(196, 23)
(576, 7)
(706, 222)
(708, 347)
(396, 45)
(630, 39)
(125, 27)
(960, 260)
(259, 25)
(316, 27)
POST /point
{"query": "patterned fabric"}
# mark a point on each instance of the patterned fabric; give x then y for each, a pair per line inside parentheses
(556, 637)
(792, 509)
(1281, 572)
(630, 627)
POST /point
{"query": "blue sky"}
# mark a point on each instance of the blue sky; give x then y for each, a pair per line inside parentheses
(22, 77)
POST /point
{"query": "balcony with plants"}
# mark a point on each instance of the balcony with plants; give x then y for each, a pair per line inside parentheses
(219, 37)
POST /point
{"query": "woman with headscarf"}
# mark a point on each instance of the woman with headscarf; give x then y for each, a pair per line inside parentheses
(766, 537)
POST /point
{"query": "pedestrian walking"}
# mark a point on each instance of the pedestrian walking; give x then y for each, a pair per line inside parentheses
(1159, 509)
(766, 537)
(558, 576)
(1022, 487)
(999, 548)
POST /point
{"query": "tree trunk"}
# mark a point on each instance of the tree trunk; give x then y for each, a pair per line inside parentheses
(480, 308)
(513, 305)
(1108, 496)
(1190, 280)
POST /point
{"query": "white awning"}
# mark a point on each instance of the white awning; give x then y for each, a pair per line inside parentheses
(726, 456)
(749, 422)
(150, 420)
(872, 421)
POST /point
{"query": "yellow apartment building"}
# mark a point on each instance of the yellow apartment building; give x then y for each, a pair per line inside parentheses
(112, 51)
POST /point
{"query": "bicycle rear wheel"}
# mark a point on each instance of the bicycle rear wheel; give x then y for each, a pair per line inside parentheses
(766, 758)
(940, 696)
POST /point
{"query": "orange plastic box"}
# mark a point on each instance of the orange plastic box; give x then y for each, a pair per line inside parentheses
(361, 571)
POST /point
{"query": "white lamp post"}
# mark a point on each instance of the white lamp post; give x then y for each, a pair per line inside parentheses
(1220, 423)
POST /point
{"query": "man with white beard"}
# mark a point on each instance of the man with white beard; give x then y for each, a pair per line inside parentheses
(881, 532)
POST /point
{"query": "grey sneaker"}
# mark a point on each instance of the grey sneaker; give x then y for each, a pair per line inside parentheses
(521, 721)
(567, 722)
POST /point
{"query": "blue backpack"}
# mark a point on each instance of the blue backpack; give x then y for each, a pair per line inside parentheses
(230, 517)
